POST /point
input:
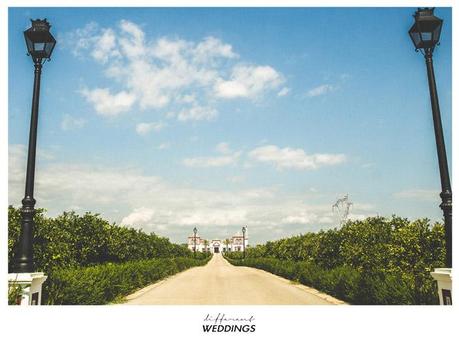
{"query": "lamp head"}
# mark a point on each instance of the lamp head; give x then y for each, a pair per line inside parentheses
(40, 42)
(425, 32)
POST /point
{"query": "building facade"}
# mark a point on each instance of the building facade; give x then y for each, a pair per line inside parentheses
(233, 244)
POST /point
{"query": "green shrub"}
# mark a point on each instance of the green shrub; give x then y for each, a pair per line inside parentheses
(343, 282)
(373, 261)
(15, 293)
(234, 255)
(71, 240)
(383, 289)
(90, 261)
(101, 284)
(202, 255)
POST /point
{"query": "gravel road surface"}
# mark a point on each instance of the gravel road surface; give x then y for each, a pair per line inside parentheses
(221, 283)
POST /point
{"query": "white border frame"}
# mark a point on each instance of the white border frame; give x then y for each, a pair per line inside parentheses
(149, 323)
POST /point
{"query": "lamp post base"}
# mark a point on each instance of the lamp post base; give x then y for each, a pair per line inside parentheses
(27, 287)
(445, 285)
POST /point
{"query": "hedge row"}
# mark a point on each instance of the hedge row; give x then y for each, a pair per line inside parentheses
(394, 251)
(104, 283)
(72, 240)
(343, 282)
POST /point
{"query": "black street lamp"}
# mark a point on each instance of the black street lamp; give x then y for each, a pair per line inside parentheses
(195, 231)
(243, 240)
(425, 34)
(40, 45)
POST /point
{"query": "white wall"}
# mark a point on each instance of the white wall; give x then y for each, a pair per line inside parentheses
(235, 245)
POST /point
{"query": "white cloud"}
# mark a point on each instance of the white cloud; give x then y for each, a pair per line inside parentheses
(284, 91)
(289, 158)
(164, 146)
(105, 46)
(227, 157)
(133, 197)
(66, 185)
(138, 217)
(248, 81)
(70, 122)
(144, 128)
(418, 194)
(211, 48)
(170, 50)
(82, 39)
(132, 41)
(210, 161)
(17, 155)
(327, 219)
(197, 113)
(223, 148)
(187, 98)
(235, 179)
(321, 90)
(107, 104)
(167, 72)
(100, 42)
(302, 219)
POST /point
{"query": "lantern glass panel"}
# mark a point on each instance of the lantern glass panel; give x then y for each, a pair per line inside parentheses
(415, 37)
(436, 33)
(39, 47)
(426, 36)
(29, 44)
(49, 48)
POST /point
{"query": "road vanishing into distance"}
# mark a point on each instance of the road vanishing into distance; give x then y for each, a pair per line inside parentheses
(221, 283)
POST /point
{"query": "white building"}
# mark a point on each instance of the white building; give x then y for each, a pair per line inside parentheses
(235, 243)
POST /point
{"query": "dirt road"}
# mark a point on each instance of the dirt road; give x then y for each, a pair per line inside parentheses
(219, 282)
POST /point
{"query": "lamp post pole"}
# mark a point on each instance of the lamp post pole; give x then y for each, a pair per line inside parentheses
(24, 255)
(243, 241)
(194, 251)
(425, 35)
(446, 193)
(40, 44)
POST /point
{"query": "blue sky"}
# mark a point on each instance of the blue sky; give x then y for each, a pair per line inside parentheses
(164, 119)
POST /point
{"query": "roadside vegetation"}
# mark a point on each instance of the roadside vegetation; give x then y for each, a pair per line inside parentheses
(91, 261)
(374, 261)
(105, 283)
